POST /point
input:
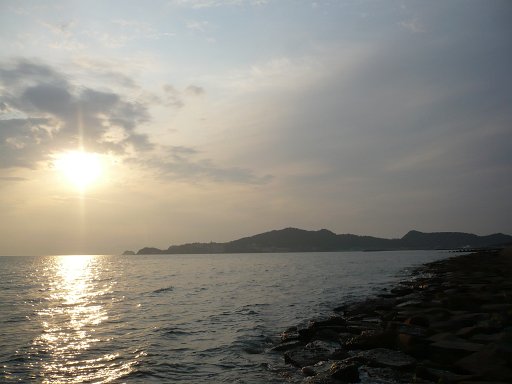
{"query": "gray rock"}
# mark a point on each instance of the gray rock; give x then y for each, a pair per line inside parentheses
(308, 371)
(373, 375)
(457, 344)
(344, 371)
(372, 339)
(330, 321)
(490, 363)
(314, 352)
(286, 346)
(383, 357)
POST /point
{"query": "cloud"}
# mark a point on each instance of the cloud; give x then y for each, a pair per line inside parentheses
(122, 33)
(64, 35)
(138, 29)
(199, 26)
(48, 113)
(216, 3)
(176, 98)
(194, 90)
(184, 163)
(416, 123)
(12, 178)
(116, 72)
(413, 25)
(43, 112)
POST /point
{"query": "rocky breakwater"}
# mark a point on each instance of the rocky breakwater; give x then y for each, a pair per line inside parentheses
(450, 323)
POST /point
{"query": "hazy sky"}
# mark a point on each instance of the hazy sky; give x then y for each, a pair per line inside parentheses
(217, 119)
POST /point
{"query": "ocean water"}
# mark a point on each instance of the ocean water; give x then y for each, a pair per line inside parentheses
(173, 318)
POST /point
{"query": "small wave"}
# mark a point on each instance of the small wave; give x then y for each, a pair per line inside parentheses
(162, 290)
(247, 312)
(252, 345)
(175, 332)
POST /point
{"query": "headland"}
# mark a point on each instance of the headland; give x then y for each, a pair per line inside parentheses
(323, 240)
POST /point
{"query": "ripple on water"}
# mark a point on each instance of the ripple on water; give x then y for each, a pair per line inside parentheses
(163, 290)
(162, 318)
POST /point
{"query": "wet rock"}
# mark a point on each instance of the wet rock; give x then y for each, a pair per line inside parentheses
(303, 357)
(327, 334)
(306, 334)
(420, 321)
(461, 320)
(286, 346)
(500, 307)
(456, 344)
(358, 327)
(369, 306)
(401, 291)
(372, 339)
(383, 357)
(331, 321)
(374, 375)
(431, 314)
(289, 336)
(314, 352)
(322, 378)
(308, 371)
(409, 303)
(469, 331)
(412, 330)
(483, 382)
(412, 339)
(440, 376)
(486, 338)
(460, 302)
(337, 372)
(491, 363)
(344, 371)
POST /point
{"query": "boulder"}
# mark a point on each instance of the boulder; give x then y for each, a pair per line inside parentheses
(344, 371)
(372, 339)
(439, 375)
(331, 321)
(314, 352)
(308, 371)
(383, 357)
(374, 375)
(286, 346)
(491, 363)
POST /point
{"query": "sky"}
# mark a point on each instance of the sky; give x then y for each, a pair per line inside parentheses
(211, 120)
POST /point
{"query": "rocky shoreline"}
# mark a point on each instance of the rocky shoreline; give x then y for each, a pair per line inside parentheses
(450, 323)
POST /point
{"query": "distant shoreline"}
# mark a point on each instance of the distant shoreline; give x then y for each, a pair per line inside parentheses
(299, 240)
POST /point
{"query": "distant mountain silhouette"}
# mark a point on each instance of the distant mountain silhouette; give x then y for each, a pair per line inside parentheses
(300, 240)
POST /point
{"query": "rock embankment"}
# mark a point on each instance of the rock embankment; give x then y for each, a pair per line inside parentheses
(451, 323)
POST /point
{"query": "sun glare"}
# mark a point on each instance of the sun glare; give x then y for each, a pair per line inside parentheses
(82, 169)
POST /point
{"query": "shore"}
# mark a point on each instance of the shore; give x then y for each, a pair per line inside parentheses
(451, 322)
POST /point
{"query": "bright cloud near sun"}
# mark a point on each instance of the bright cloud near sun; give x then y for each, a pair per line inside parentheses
(126, 124)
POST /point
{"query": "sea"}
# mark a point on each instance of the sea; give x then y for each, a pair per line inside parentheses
(174, 318)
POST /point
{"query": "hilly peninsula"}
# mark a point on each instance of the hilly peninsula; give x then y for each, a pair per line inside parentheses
(300, 240)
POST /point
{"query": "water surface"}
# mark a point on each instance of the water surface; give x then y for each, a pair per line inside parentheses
(172, 318)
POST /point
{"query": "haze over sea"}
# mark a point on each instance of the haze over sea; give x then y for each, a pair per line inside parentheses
(173, 318)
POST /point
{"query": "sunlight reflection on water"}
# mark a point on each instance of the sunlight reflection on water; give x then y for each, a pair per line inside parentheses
(69, 323)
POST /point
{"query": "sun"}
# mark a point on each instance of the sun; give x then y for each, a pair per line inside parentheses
(82, 169)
